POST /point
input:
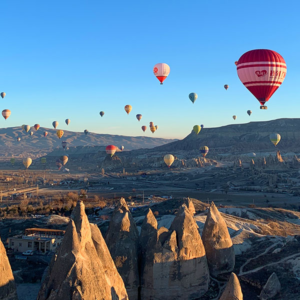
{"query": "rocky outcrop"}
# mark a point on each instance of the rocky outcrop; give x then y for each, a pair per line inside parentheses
(278, 157)
(190, 205)
(82, 267)
(271, 288)
(173, 262)
(122, 239)
(233, 289)
(217, 243)
(7, 282)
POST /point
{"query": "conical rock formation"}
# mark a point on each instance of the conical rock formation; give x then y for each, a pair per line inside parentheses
(82, 268)
(271, 288)
(173, 262)
(190, 205)
(123, 240)
(233, 289)
(218, 244)
(7, 282)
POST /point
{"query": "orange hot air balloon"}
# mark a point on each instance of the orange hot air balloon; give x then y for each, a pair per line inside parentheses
(111, 149)
(144, 128)
(236, 63)
(139, 117)
(128, 109)
(45, 133)
(152, 128)
(36, 126)
(6, 113)
(59, 133)
(161, 71)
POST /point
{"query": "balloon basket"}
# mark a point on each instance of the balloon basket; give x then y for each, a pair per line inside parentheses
(263, 107)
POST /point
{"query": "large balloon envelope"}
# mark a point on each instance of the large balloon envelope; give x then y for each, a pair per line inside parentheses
(111, 149)
(226, 86)
(261, 71)
(64, 144)
(101, 113)
(161, 71)
(86, 131)
(26, 128)
(169, 159)
(36, 126)
(128, 108)
(59, 133)
(144, 128)
(275, 138)
(27, 162)
(204, 150)
(122, 148)
(249, 112)
(45, 133)
(193, 97)
(196, 129)
(202, 126)
(67, 121)
(6, 113)
(152, 128)
(234, 117)
(139, 117)
(64, 159)
(55, 124)
(3, 95)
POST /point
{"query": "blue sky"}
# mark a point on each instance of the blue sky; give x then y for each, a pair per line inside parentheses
(72, 59)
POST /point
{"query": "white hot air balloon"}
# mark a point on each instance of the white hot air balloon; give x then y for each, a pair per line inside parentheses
(161, 71)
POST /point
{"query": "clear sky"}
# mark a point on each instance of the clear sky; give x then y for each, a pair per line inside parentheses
(71, 59)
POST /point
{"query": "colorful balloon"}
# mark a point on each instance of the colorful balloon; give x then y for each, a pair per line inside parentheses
(86, 131)
(156, 127)
(58, 164)
(197, 129)
(45, 133)
(111, 149)
(64, 159)
(128, 109)
(234, 117)
(193, 97)
(151, 124)
(139, 117)
(161, 71)
(3, 95)
(26, 128)
(152, 129)
(122, 148)
(6, 113)
(31, 133)
(275, 138)
(27, 162)
(226, 86)
(204, 150)
(36, 126)
(249, 112)
(169, 159)
(59, 133)
(236, 63)
(262, 72)
(101, 113)
(202, 126)
(144, 128)
(64, 144)
(55, 124)
(19, 139)
(67, 121)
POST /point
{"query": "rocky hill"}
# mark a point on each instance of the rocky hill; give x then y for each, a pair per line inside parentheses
(241, 138)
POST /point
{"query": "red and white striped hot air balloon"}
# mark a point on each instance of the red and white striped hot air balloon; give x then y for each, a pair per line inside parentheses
(111, 149)
(262, 72)
(6, 113)
(161, 71)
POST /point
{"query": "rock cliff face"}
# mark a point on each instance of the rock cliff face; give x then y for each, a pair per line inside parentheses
(217, 243)
(271, 288)
(122, 240)
(173, 262)
(82, 267)
(7, 283)
(233, 289)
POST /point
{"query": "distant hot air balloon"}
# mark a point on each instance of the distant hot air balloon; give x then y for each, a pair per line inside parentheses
(144, 128)
(151, 124)
(101, 113)
(169, 159)
(196, 129)
(139, 117)
(64, 144)
(3, 95)
(249, 112)
(55, 124)
(19, 139)
(161, 71)
(236, 63)
(193, 97)
(226, 86)
(12, 160)
(23, 126)
(58, 164)
(26, 128)
(234, 117)
(275, 138)
(67, 121)
(202, 126)
(64, 159)
(45, 133)
(152, 128)
(261, 71)
(6, 113)
(86, 131)
(60, 133)
(204, 150)
(31, 133)
(27, 162)
(156, 127)
(36, 126)
(111, 149)
(122, 148)
(128, 109)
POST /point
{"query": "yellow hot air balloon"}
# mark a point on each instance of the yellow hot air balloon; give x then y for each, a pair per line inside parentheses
(27, 162)
(152, 128)
(197, 129)
(64, 159)
(128, 109)
(169, 159)
(275, 138)
(59, 133)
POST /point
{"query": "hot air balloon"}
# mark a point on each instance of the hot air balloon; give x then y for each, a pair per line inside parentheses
(64, 159)
(101, 113)
(6, 113)
(193, 97)
(151, 124)
(144, 128)
(12, 160)
(236, 63)
(111, 149)
(3, 95)
(161, 71)
(19, 139)
(197, 129)
(86, 131)
(27, 162)
(36, 126)
(226, 86)
(26, 128)
(67, 121)
(60, 133)
(64, 144)
(156, 127)
(204, 150)
(139, 117)
(58, 164)
(45, 133)
(128, 109)
(234, 117)
(275, 138)
(249, 112)
(262, 72)
(202, 126)
(55, 124)
(169, 159)
(31, 133)
(23, 126)
(122, 148)
(152, 128)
